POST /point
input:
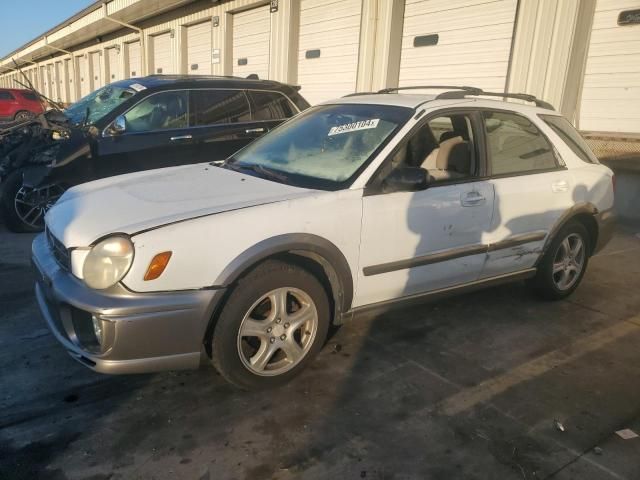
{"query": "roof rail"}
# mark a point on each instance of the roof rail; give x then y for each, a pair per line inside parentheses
(518, 96)
(471, 90)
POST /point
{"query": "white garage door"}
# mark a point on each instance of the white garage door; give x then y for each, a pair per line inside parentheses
(134, 61)
(162, 56)
(53, 94)
(611, 91)
(60, 82)
(199, 49)
(83, 76)
(251, 38)
(97, 78)
(113, 72)
(457, 42)
(328, 49)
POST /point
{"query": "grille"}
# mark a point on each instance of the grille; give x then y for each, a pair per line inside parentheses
(60, 253)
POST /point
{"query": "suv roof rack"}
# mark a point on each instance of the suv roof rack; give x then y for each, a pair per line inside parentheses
(458, 92)
(518, 96)
(470, 90)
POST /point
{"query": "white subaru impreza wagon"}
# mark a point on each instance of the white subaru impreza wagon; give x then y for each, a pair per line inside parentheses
(365, 202)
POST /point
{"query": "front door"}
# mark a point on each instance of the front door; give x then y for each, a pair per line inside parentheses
(415, 242)
(157, 135)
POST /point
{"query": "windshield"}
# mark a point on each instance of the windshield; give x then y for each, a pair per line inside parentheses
(325, 147)
(99, 103)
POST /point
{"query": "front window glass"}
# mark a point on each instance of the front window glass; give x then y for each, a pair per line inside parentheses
(325, 146)
(162, 111)
(97, 104)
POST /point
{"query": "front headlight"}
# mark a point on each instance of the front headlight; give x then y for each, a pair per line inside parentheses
(108, 262)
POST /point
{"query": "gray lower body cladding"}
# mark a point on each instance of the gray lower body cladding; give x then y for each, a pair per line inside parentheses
(141, 332)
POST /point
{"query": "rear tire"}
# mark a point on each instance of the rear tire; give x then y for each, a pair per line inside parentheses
(273, 323)
(23, 115)
(564, 264)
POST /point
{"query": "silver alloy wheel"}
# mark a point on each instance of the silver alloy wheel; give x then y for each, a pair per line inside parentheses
(278, 331)
(568, 261)
(31, 204)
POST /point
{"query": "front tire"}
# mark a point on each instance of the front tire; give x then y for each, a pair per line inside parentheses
(564, 264)
(23, 115)
(23, 208)
(272, 325)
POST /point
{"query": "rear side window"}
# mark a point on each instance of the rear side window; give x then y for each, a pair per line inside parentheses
(571, 137)
(270, 106)
(211, 107)
(4, 95)
(515, 145)
(30, 96)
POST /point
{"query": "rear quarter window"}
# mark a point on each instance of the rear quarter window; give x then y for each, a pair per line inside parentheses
(270, 106)
(571, 137)
(30, 96)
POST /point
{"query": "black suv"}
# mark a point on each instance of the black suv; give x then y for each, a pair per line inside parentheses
(140, 124)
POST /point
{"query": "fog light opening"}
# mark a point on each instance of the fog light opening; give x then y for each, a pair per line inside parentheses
(97, 328)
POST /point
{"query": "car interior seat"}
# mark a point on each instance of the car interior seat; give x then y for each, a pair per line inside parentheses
(453, 160)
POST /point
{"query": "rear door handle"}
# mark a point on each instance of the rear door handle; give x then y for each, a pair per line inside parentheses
(254, 130)
(473, 198)
(560, 186)
(181, 137)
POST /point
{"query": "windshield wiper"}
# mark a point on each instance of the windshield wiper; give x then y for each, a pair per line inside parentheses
(254, 167)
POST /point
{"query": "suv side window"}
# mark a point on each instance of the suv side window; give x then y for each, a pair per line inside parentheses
(571, 137)
(211, 107)
(4, 95)
(444, 146)
(159, 111)
(270, 106)
(30, 96)
(515, 145)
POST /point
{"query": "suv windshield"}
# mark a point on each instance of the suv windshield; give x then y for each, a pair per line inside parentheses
(99, 103)
(325, 147)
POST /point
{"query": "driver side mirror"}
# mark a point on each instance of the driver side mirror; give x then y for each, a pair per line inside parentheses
(406, 179)
(117, 127)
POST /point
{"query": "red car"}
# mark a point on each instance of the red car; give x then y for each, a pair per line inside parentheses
(17, 104)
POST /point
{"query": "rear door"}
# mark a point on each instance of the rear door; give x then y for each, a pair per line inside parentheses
(7, 104)
(221, 123)
(157, 135)
(532, 190)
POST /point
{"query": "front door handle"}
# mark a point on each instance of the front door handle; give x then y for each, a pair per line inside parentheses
(181, 137)
(254, 130)
(472, 199)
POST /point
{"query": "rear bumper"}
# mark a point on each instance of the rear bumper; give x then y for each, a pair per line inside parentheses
(142, 333)
(606, 225)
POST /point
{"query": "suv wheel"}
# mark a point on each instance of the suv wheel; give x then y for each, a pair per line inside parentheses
(23, 208)
(563, 266)
(273, 323)
(23, 115)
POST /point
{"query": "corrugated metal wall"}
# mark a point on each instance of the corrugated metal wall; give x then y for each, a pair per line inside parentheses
(541, 50)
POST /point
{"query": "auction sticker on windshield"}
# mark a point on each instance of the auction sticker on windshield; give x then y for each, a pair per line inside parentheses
(137, 87)
(354, 126)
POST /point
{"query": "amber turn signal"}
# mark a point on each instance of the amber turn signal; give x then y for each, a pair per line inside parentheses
(157, 266)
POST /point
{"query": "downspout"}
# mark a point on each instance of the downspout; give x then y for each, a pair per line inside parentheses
(143, 50)
(73, 64)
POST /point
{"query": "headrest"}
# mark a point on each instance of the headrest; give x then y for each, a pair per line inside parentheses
(442, 161)
(448, 135)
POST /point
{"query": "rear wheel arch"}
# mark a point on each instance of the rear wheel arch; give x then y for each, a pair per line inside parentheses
(582, 213)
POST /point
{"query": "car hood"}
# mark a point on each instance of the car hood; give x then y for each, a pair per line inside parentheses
(145, 200)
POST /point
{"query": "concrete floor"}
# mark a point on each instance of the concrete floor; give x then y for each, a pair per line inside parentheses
(469, 387)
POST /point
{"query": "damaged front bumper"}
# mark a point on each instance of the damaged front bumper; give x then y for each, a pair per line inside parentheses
(136, 332)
